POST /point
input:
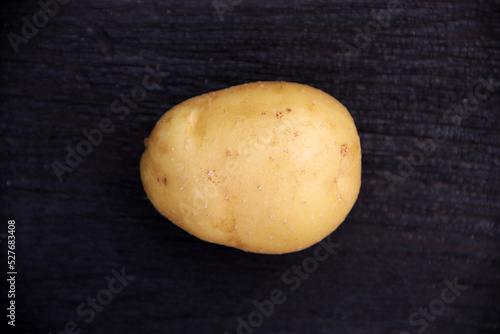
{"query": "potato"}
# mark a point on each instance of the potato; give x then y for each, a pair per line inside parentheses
(266, 167)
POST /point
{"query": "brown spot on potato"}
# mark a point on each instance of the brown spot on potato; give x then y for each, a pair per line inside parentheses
(264, 113)
(213, 176)
(344, 150)
(228, 153)
(279, 114)
(288, 110)
(161, 180)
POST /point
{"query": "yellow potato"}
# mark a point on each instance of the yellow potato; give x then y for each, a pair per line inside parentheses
(266, 167)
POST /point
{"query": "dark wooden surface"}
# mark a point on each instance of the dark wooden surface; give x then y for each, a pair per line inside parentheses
(397, 247)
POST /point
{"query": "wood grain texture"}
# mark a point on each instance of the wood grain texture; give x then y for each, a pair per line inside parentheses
(397, 247)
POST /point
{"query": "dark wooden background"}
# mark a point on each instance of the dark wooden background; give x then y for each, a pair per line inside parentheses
(397, 247)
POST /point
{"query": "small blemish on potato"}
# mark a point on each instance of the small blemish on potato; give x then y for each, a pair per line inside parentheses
(288, 110)
(228, 153)
(146, 142)
(279, 114)
(244, 201)
(264, 113)
(162, 180)
(344, 150)
(260, 187)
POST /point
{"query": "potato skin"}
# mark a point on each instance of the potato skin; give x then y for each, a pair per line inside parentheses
(266, 167)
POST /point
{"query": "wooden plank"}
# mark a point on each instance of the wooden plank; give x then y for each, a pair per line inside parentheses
(398, 248)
